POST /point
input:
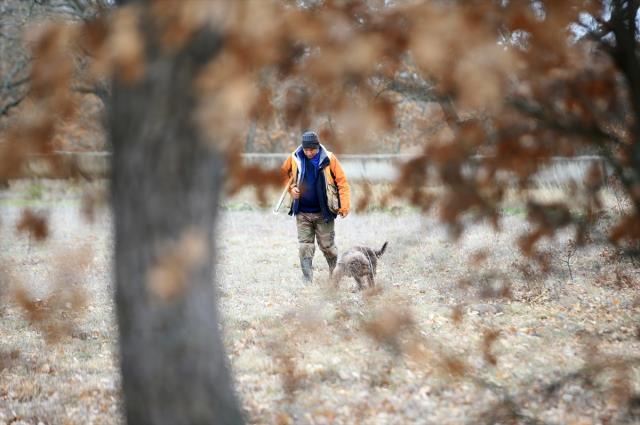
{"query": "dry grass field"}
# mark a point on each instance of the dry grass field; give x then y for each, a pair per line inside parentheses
(436, 342)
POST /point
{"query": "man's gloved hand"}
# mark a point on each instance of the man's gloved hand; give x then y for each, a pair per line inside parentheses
(295, 192)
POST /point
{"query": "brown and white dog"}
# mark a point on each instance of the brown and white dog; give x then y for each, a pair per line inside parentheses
(360, 263)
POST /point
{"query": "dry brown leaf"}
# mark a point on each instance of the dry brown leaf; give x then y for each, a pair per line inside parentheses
(35, 224)
(169, 277)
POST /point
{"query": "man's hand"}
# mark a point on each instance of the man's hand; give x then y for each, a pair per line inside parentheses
(295, 192)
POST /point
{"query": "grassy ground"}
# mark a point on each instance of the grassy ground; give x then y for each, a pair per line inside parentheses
(428, 345)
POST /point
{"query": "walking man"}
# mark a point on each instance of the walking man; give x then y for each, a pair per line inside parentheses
(320, 192)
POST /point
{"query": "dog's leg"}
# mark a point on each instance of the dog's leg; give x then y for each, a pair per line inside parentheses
(371, 281)
(336, 276)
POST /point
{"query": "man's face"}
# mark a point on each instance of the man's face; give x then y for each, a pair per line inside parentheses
(310, 152)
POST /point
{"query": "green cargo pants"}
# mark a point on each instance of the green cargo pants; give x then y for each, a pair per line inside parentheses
(311, 226)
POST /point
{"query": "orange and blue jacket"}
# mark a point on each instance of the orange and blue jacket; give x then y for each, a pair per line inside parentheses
(331, 172)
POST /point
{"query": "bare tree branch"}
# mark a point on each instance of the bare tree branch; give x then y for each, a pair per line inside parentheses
(6, 108)
(593, 132)
(17, 83)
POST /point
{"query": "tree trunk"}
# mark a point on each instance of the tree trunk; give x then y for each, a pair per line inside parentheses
(166, 181)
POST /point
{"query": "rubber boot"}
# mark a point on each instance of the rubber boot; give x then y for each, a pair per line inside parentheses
(306, 264)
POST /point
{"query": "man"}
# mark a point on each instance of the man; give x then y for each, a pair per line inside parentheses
(320, 192)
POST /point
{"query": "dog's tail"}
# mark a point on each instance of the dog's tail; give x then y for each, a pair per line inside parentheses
(381, 251)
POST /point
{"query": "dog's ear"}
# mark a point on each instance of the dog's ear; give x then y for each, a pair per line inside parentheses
(381, 251)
